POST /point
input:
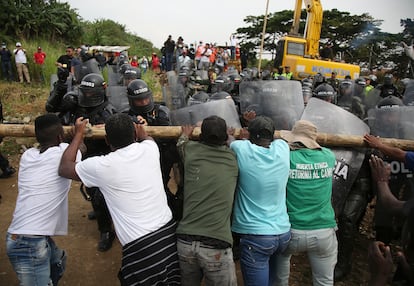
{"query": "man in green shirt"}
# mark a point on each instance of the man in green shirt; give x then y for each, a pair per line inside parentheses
(308, 199)
(210, 176)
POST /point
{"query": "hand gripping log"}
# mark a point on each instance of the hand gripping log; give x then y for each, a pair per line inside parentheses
(173, 132)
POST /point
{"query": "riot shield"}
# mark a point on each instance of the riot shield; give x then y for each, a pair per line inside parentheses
(330, 118)
(195, 114)
(117, 96)
(280, 100)
(408, 96)
(394, 122)
(372, 98)
(113, 77)
(85, 68)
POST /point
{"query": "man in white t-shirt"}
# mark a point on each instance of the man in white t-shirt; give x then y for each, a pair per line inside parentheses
(41, 208)
(130, 179)
(21, 62)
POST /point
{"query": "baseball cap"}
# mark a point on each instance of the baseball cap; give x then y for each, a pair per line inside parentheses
(214, 130)
(304, 132)
(262, 127)
(39, 48)
(18, 44)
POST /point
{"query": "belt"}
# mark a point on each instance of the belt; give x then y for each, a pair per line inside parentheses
(206, 242)
(16, 236)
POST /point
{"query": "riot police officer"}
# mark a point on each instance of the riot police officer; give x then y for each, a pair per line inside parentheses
(143, 110)
(388, 88)
(92, 104)
(325, 92)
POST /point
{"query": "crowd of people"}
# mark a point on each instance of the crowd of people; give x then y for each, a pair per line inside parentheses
(252, 193)
(21, 59)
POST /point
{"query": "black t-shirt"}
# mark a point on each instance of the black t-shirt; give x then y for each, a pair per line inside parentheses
(65, 60)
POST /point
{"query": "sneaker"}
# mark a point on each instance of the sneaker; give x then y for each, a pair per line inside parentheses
(105, 243)
(7, 172)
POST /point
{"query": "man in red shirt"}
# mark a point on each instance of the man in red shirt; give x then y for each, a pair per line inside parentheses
(39, 60)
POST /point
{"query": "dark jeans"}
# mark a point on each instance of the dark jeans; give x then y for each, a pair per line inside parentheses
(6, 69)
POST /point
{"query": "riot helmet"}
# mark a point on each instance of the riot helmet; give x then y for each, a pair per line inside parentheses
(345, 88)
(130, 74)
(222, 83)
(318, 79)
(388, 79)
(140, 97)
(390, 101)
(307, 82)
(123, 67)
(325, 92)
(199, 97)
(92, 90)
(220, 95)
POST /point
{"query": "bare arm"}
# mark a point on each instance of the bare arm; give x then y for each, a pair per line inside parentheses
(393, 152)
(68, 161)
(381, 174)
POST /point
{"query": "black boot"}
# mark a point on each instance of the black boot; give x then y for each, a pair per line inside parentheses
(105, 243)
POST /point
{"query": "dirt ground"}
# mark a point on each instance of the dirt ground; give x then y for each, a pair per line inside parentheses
(89, 267)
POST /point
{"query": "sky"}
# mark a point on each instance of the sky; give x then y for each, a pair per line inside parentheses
(215, 20)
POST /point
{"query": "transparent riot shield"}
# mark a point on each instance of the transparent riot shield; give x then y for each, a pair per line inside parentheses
(330, 118)
(85, 68)
(195, 114)
(117, 96)
(113, 77)
(280, 100)
(394, 122)
(408, 96)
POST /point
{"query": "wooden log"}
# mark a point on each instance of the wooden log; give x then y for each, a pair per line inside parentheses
(173, 132)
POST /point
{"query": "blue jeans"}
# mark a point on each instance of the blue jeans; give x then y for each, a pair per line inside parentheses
(321, 246)
(259, 256)
(36, 259)
(198, 260)
(6, 69)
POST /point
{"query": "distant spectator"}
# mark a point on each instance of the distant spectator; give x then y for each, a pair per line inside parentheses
(233, 44)
(21, 63)
(144, 64)
(333, 81)
(205, 58)
(155, 62)
(327, 52)
(134, 62)
(169, 46)
(39, 59)
(6, 67)
(199, 51)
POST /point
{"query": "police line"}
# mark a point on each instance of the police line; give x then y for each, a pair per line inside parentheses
(173, 132)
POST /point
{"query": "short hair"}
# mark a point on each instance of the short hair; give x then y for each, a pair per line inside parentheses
(120, 130)
(70, 47)
(214, 131)
(47, 128)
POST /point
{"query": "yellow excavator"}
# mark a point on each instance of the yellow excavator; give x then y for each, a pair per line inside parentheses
(301, 54)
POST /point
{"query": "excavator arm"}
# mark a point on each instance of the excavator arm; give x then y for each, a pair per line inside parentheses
(313, 26)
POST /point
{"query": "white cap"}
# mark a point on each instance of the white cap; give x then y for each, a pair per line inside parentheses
(18, 44)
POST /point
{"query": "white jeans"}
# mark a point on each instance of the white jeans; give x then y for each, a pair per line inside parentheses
(321, 246)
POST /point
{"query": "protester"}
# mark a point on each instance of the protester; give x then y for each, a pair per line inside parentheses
(39, 59)
(41, 208)
(6, 67)
(309, 192)
(143, 110)
(379, 255)
(21, 63)
(131, 181)
(204, 235)
(259, 216)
